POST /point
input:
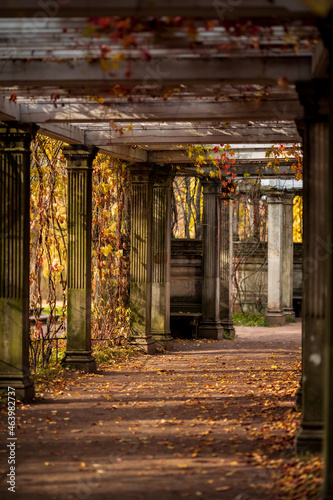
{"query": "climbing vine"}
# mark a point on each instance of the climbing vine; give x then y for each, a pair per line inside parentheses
(48, 250)
(48, 203)
(110, 265)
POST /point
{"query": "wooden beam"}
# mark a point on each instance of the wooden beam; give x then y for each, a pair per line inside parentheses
(74, 135)
(63, 132)
(9, 111)
(203, 134)
(207, 9)
(249, 169)
(196, 70)
(127, 153)
(242, 156)
(170, 110)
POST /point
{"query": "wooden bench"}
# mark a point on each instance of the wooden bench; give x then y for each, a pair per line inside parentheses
(192, 319)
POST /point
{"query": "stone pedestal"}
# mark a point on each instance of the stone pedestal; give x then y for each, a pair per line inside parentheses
(275, 313)
(79, 165)
(226, 267)
(315, 258)
(140, 257)
(288, 255)
(14, 258)
(210, 326)
(161, 258)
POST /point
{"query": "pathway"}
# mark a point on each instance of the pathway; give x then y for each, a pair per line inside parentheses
(210, 420)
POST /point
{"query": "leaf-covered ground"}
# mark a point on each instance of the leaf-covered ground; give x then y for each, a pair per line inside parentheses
(211, 419)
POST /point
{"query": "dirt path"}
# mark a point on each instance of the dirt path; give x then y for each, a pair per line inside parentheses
(210, 420)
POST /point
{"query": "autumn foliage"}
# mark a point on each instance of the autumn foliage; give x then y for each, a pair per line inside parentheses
(48, 287)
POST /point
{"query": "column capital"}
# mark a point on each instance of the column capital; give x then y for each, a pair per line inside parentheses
(301, 126)
(79, 156)
(16, 136)
(325, 26)
(314, 97)
(275, 197)
(141, 173)
(163, 177)
(210, 186)
(288, 197)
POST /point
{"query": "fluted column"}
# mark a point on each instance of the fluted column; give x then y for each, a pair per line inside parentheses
(235, 223)
(14, 258)
(79, 220)
(161, 259)
(140, 257)
(226, 267)
(315, 257)
(328, 342)
(210, 326)
(288, 255)
(275, 314)
(326, 27)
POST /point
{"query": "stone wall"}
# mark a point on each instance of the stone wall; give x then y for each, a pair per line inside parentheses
(186, 276)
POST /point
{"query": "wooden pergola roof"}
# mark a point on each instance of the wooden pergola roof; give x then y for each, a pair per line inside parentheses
(230, 79)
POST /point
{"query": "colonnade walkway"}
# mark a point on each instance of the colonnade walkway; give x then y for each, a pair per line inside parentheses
(210, 420)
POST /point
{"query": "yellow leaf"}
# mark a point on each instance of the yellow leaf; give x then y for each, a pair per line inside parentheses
(105, 65)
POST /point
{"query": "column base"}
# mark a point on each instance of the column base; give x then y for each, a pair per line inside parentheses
(289, 314)
(275, 318)
(310, 438)
(145, 344)
(229, 330)
(210, 331)
(24, 387)
(165, 340)
(80, 360)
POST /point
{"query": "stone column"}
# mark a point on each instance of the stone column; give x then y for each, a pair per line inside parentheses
(14, 258)
(226, 267)
(140, 257)
(300, 124)
(275, 313)
(256, 215)
(315, 257)
(288, 255)
(235, 223)
(79, 222)
(251, 228)
(326, 27)
(161, 259)
(210, 326)
(327, 490)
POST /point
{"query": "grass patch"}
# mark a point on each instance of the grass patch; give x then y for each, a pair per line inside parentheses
(110, 354)
(55, 377)
(51, 378)
(249, 320)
